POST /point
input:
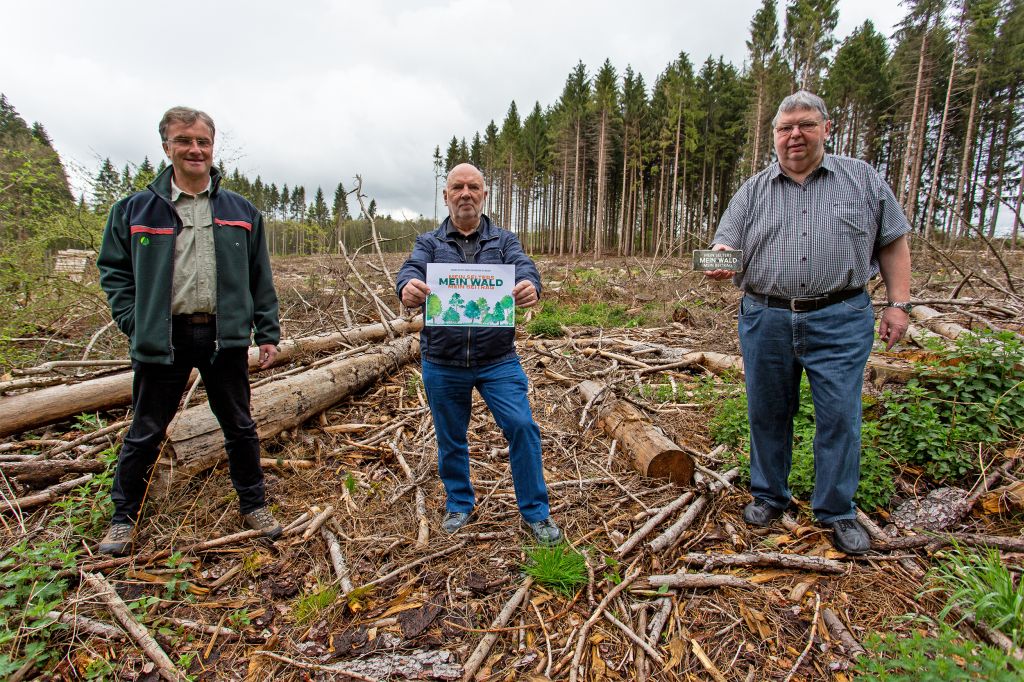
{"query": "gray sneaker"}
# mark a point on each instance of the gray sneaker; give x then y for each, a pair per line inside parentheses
(119, 539)
(262, 519)
(454, 521)
(545, 532)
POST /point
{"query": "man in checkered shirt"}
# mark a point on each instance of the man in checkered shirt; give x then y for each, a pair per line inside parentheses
(813, 228)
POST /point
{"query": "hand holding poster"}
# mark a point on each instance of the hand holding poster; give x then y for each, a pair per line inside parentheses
(470, 295)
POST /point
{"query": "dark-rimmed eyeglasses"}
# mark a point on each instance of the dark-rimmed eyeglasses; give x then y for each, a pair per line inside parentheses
(186, 142)
(804, 126)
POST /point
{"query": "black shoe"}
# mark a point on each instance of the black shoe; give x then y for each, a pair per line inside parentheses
(454, 521)
(760, 513)
(850, 537)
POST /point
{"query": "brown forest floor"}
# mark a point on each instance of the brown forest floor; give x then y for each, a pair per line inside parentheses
(449, 602)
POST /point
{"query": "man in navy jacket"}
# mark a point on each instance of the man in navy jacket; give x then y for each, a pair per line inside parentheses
(458, 359)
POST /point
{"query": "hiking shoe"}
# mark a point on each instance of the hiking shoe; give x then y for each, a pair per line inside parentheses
(760, 513)
(454, 521)
(119, 539)
(850, 537)
(262, 519)
(545, 532)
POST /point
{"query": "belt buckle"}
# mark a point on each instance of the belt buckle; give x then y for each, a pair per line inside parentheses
(803, 305)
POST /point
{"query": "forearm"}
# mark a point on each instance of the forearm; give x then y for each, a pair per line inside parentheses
(894, 263)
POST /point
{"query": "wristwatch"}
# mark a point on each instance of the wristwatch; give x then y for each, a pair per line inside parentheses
(905, 307)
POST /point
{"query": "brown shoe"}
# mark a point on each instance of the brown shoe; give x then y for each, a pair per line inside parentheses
(119, 539)
(262, 519)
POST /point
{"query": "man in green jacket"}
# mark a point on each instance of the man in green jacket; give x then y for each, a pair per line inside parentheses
(186, 271)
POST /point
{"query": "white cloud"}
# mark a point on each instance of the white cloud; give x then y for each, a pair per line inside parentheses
(318, 91)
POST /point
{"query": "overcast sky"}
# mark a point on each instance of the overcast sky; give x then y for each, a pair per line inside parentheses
(313, 92)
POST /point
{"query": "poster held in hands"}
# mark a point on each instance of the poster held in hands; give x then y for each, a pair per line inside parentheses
(470, 295)
(705, 260)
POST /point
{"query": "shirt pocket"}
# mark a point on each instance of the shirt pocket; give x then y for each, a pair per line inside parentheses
(492, 255)
(850, 217)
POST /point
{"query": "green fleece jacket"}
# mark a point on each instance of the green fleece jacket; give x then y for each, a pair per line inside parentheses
(136, 265)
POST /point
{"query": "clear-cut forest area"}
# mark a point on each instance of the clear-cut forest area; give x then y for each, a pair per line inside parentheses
(636, 381)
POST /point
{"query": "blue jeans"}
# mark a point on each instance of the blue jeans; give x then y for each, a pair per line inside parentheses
(832, 345)
(503, 386)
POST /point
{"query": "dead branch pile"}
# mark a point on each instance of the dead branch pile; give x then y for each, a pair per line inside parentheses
(363, 584)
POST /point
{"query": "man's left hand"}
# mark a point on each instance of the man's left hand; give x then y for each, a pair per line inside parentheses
(893, 326)
(268, 352)
(525, 294)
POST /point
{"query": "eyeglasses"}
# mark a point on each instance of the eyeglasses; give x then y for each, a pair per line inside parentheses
(187, 142)
(804, 126)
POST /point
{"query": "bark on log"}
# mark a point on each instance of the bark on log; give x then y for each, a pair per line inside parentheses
(933, 320)
(195, 442)
(37, 473)
(652, 453)
(38, 408)
(777, 559)
(699, 580)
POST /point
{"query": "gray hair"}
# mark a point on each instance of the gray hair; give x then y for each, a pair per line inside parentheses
(801, 99)
(186, 115)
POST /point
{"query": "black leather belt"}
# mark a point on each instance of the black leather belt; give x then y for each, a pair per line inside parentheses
(805, 305)
(196, 318)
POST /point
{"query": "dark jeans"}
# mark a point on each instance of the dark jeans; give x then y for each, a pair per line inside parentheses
(156, 393)
(832, 345)
(503, 386)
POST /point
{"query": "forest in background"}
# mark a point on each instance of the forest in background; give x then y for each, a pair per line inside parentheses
(616, 167)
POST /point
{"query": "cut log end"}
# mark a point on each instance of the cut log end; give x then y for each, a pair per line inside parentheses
(674, 465)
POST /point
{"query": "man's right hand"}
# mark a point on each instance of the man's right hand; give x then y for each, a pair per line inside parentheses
(720, 274)
(414, 293)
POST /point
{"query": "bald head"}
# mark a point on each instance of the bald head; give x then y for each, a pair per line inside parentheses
(464, 195)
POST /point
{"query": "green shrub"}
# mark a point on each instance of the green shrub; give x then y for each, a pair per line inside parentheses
(970, 397)
(942, 658)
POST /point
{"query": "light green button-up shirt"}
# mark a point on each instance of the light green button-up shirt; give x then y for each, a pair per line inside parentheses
(194, 289)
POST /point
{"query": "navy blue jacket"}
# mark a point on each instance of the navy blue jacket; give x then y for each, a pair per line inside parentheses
(467, 346)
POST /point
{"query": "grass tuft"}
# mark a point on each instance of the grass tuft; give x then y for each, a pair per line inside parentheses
(311, 604)
(560, 568)
(980, 583)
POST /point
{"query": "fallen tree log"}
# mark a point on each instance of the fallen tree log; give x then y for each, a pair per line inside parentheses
(35, 409)
(933, 319)
(37, 473)
(195, 442)
(651, 452)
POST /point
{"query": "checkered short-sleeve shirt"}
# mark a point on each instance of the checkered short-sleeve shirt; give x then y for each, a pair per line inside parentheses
(815, 238)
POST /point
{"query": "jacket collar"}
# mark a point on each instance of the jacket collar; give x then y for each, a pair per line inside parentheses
(161, 185)
(486, 229)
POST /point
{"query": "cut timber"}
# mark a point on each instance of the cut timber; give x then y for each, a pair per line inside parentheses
(933, 319)
(652, 453)
(196, 443)
(34, 409)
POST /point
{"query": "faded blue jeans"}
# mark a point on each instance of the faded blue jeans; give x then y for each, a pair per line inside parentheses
(503, 386)
(832, 345)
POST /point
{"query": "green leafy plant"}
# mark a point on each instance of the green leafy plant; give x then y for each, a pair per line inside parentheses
(969, 397)
(982, 584)
(944, 657)
(560, 568)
